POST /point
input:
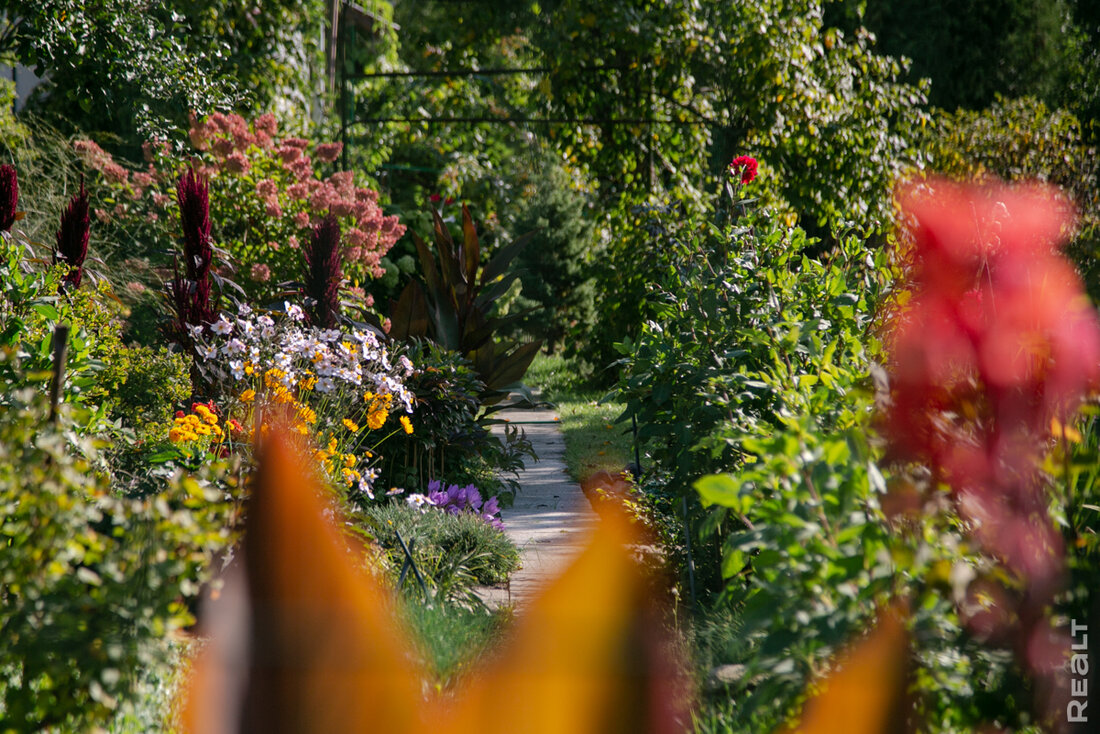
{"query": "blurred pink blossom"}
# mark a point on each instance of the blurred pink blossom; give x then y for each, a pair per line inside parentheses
(260, 272)
(328, 152)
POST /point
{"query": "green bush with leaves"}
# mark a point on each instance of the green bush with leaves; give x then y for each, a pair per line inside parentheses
(452, 438)
(746, 328)
(92, 582)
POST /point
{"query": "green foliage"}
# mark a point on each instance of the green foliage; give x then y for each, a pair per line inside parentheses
(1023, 140)
(746, 329)
(805, 556)
(973, 50)
(450, 638)
(121, 66)
(453, 553)
(91, 582)
(554, 267)
(29, 311)
(453, 306)
(451, 440)
(150, 385)
(273, 53)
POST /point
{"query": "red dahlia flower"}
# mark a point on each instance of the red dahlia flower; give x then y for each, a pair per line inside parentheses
(746, 166)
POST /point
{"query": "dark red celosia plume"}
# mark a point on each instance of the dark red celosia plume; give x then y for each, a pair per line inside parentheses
(72, 238)
(193, 196)
(190, 290)
(9, 196)
(323, 273)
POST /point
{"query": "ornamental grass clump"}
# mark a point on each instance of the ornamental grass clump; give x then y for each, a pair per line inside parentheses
(9, 197)
(323, 275)
(72, 239)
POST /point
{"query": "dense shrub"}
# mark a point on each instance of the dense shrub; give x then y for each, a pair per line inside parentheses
(555, 265)
(452, 439)
(92, 582)
(747, 329)
(266, 191)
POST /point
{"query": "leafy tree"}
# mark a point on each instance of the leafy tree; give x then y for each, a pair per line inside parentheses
(117, 65)
(137, 69)
(975, 49)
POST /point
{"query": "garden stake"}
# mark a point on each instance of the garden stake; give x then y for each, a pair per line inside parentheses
(60, 345)
(637, 456)
(691, 561)
(410, 562)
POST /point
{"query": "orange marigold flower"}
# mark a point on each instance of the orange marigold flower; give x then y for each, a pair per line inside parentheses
(406, 424)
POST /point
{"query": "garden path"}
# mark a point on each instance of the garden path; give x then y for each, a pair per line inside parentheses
(550, 519)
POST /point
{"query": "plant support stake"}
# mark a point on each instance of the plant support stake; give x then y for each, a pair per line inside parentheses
(60, 346)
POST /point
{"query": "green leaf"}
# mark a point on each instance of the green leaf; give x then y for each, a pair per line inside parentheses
(46, 310)
(720, 489)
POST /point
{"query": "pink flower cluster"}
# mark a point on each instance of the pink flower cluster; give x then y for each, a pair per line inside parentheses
(100, 160)
(226, 134)
(232, 142)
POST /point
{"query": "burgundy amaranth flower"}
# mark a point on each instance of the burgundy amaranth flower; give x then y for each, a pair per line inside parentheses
(746, 166)
(72, 238)
(323, 273)
(193, 197)
(9, 196)
(190, 290)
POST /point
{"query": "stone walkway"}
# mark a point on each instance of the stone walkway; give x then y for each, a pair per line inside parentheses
(550, 519)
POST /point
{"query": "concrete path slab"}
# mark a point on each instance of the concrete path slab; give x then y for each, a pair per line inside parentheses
(550, 520)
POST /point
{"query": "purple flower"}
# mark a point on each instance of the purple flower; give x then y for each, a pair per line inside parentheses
(456, 500)
(9, 196)
(72, 238)
(491, 507)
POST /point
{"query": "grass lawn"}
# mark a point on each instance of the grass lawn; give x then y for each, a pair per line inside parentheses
(593, 441)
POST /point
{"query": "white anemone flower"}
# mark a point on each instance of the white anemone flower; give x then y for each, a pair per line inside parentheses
(222, 327)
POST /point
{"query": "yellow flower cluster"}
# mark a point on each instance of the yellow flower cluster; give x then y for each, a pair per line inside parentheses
(325, 455)
(200, 423)
(379, 409)
(308, 382)
(406, 424)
